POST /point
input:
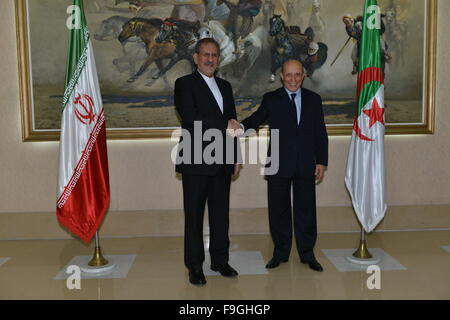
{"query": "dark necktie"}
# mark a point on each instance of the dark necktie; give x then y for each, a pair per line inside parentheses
(293, 95)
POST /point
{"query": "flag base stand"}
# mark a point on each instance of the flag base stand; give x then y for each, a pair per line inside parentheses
(98, 263)
(96, 270)
(368, 262)
(362, 254)
(98, 260)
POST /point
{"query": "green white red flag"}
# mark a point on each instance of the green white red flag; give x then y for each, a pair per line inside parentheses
(83, 192)
(365, 174)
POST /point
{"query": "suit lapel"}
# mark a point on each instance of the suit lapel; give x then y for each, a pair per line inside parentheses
(302, 107)
(224, 94)
(305, 108)
(205, 88)
(287, 103)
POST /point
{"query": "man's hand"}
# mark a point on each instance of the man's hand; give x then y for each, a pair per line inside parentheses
(320, 173)
(237, 169)
(234, 128)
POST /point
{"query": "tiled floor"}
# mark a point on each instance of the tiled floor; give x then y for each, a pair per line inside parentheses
(339, 259)
(3, 260)
(446, 248)
(117, 267)
(415, 265)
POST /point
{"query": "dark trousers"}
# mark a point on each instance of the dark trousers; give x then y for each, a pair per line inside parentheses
(280, 216)
(198, 189)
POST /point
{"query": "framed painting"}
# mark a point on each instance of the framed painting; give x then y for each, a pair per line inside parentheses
(137, 80)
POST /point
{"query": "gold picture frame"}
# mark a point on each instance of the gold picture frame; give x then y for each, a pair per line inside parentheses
(30, 133)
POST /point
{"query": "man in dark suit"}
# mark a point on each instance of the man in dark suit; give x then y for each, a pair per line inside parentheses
(206, 106)
(303, 156)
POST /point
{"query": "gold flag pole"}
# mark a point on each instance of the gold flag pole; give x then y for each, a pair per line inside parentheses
(97, 260)
(362, 256)
(362, 252)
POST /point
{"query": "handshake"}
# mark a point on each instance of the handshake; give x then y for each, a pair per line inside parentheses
(234, 128)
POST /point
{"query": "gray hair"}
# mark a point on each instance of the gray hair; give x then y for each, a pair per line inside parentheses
(290, 60)
(206, 41)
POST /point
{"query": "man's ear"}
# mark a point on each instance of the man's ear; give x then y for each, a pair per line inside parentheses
(195, 57)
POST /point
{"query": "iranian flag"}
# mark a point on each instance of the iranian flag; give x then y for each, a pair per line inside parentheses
(83, 179)
(364, 176)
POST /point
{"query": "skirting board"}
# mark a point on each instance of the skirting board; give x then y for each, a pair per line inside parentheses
(242, 221)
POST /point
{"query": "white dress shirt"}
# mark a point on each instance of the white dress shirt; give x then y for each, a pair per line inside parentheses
(298, 101)
(212, 84)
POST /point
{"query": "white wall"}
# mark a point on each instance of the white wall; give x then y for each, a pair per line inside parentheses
(142, 175)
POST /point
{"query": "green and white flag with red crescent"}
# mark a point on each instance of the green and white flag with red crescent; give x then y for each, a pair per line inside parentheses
(83, 192)
(365, 177)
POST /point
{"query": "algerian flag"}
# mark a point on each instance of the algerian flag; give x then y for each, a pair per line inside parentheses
(83, 180)
(364, 176)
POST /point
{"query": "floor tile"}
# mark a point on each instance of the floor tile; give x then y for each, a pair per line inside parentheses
(122, 264)
(339, 260)
(245, 263)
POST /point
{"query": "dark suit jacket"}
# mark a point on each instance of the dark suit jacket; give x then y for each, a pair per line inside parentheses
(194, 101)
(301, 146)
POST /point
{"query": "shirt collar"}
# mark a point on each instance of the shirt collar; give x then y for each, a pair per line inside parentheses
(298, 92)
(207, 79)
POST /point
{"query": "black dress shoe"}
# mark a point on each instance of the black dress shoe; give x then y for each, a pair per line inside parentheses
(224, 269)
(274, 262)
(196, 276)
(314, 265)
